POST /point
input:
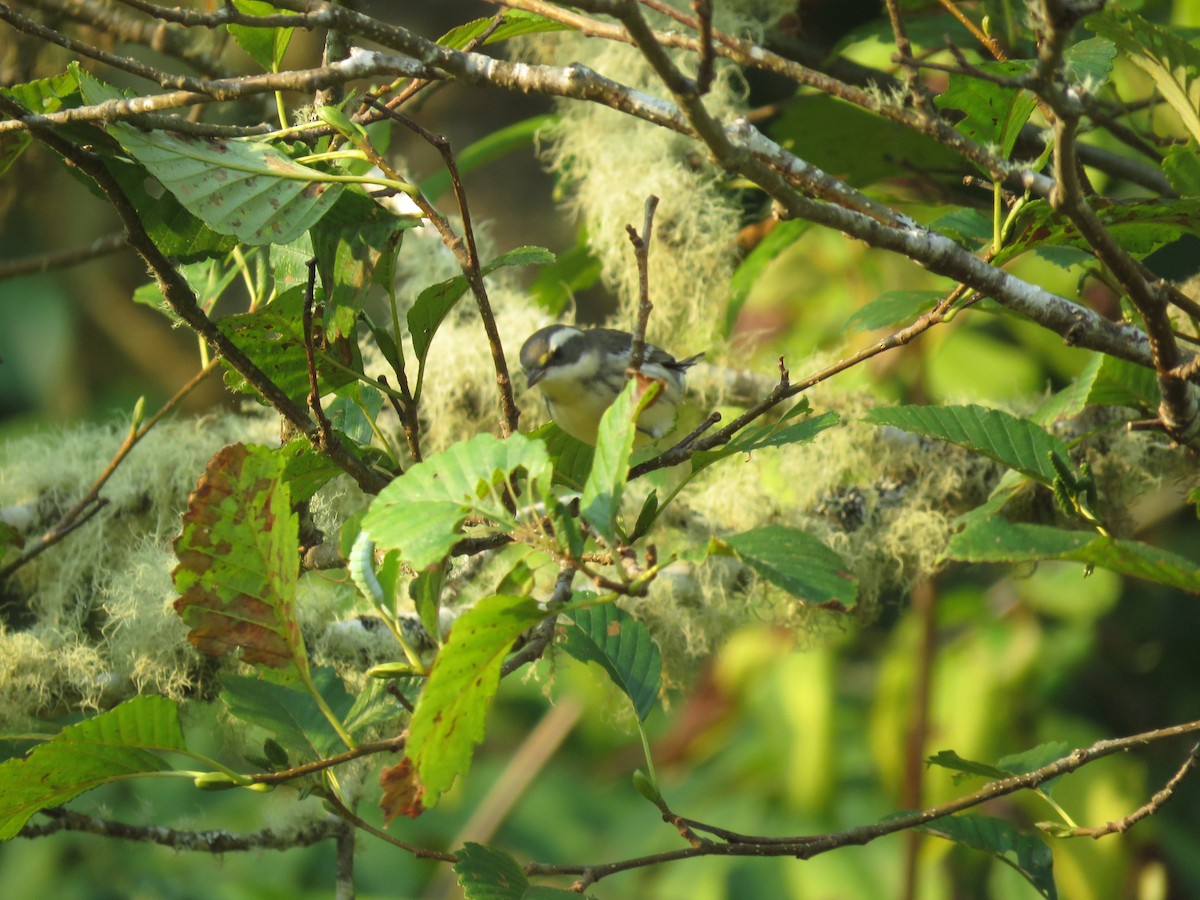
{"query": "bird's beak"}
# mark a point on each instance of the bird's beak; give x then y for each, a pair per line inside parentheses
(534, 376)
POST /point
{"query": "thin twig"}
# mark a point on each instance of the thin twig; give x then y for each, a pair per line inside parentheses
(641, 252)
(326, 435)
(1153, 805)
(61, 259)
(91, 502)
(704, 72)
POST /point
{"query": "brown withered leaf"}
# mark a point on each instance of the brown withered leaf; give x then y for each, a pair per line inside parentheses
(402, 792)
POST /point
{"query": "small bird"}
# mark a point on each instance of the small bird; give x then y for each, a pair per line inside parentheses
(580, 372)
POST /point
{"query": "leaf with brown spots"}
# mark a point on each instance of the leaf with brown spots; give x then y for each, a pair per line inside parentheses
(238, 562)
(449, 719)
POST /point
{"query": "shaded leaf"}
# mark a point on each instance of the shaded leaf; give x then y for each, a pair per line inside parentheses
(797, 562)
(949, 759)
(622, 646)
(122, 743)
(273, 337)
(485, 873)
(993, 113)
(1026, 853)
(289, 713)
(574, 270)
(571, 457)
(997, 540)
(238, 561)
(247, 189)
(747, 274)
(1017, 443)
(450, 716)
(41, 96)
(893, 309)
(1141, 226)
(1181, 165)
(419, 513)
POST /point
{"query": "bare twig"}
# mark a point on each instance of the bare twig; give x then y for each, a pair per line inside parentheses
(808, 846)
(218, 841)
(61, 259)
(641, 252)
(325, 433)
(704, 72)
(1152, 806)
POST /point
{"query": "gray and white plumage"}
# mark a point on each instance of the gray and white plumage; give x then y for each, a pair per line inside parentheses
(580, 372)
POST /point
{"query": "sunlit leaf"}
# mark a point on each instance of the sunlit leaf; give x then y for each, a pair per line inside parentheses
(419, 513)
(266, 46)
(450, 716)
(605, 485)
(1017, 443)
(124, 742)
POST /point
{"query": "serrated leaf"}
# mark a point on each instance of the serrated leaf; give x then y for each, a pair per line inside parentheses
(949, 759)
(758, 437)
(1172, 62)
(305, 470)
(1035, 758)
(450, 716)
(351, 244)
(273, 336)
(436, 301)
(516, 23)
(994, 113)
(1141, 226)
(622, 646)
(485, 873)
(797, 562)
(1181, 165)
(265, 46)
(239, 562)
(247, 189)
(41, 96)
(115, 745)
(893, 309)
(998, 540)
(1089, 63)
(1017, 443)
(419, 513)
(571, 457)
(601, 502)
(289, 714)
(1026, 853)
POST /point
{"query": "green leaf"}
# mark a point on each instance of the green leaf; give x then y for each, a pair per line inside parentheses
(419, 513)
(273, 337)
(757, 437)
(782, 236)
(247, 189)
(436, 301)
(488, 149)
(265, 46)
(893, 309)
(1181, 165)
(1172, 62)
(353, 409)
(622, 646)
(572, 458)
(450, 716)
(994, 114)
(239, 561)
(797, 562)
(575, 270)
(289, 713)
(305, 470)
(115, 745)
(948, 759)
(1026, 853)
(42, 96)
(1017, 443)
(968, 227)
(485, 873)
(1141, 226)
(601, 501)
(352, 244)
(516, 23)
(1089, 63)
(997, 540)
